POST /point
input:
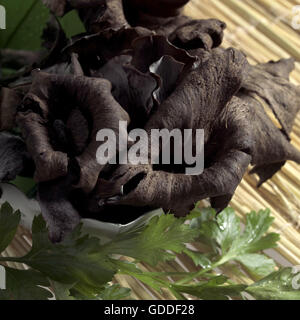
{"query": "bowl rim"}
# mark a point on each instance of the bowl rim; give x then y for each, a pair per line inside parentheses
(30, 208)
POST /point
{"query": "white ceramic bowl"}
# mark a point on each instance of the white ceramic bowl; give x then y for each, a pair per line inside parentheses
(30, 208)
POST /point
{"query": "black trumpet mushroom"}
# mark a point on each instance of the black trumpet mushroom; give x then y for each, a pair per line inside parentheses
(148, 65)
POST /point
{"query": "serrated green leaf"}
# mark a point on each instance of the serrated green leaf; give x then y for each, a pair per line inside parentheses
(150, 243)
(228, 243)
(267, 242)
(252, 239)
(9, 222)
(108, 292)
(199, 259)
(83, 266)
(258, 265)
(280, 285)
(204, 223)
(227, 230)
(200, 215)
(62, 291)
(218, 231)
(78, 259)
(257, 224)
(214, 289)
(25, 285)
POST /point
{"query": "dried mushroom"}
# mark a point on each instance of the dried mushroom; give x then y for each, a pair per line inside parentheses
(14, 157)
(145, 63)
(54, 112)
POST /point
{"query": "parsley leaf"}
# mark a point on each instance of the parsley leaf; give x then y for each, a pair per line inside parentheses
(223, 234)
(76, 260)
(279, 285)
(258, 265)
(215, 289)
(253, 239)
(80, 268)
(199, 259)
(226, 230)
(62, 291)
(25, 285)
(156, 242)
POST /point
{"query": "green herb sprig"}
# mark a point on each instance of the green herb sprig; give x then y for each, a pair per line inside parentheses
(82, 268)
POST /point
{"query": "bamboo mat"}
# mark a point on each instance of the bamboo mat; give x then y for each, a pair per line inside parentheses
(263, 30)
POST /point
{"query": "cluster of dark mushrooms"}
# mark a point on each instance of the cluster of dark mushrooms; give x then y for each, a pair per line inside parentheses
(145, 63)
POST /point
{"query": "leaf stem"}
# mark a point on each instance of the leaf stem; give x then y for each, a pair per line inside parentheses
(202, 271)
